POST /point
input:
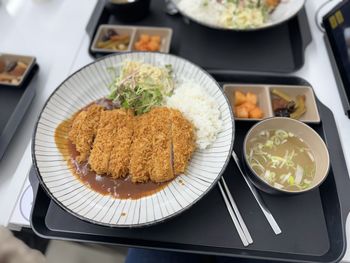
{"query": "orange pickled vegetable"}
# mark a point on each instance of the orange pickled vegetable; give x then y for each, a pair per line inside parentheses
(241, 112)
(256, 113)
(252, 98)
(246, 105)
(249, 106)
(148, 43)
(240, 98)
(145, 38)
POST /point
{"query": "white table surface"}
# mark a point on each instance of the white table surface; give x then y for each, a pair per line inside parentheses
(54, 32)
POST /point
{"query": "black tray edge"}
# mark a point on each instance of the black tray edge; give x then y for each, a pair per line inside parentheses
(342, 187)
(20, 110)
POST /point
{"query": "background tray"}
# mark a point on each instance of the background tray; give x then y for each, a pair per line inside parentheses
(14, 102)
(278, 49)
(312, 223)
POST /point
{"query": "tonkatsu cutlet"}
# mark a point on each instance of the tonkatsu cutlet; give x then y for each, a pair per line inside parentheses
(154, 146)
(163, 144)
(119, 160)
(183, 140)
(141, 149)
(102, 147)
(84, 130)
(111, 150)
(161, 163)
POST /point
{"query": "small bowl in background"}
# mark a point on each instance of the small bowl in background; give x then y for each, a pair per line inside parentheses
(261, 91)
(303, 131)
(128, 10)
(311, 115)
(6, 60)
(102, 32)
(164, 33)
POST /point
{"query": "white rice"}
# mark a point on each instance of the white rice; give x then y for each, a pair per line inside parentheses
(210, 13)
(201, 109)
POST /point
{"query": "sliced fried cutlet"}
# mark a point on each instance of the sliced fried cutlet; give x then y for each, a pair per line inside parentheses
(84, 130)
(119, 161)
(141, 149)
(161, 164)
(183, 140)
(103, 144)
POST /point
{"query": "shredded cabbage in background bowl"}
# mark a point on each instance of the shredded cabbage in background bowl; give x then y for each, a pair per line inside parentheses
(235, 14)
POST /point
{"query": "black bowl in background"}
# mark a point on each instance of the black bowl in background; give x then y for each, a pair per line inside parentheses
(130, 11)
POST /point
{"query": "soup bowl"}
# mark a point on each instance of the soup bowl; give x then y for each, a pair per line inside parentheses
(313, 141)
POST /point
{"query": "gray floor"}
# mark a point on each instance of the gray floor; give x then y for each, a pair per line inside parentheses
(68, 252)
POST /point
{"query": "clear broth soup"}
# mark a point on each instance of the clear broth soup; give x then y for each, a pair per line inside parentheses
(281, 159)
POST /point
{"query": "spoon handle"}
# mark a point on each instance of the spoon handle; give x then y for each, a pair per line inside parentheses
(259, 199)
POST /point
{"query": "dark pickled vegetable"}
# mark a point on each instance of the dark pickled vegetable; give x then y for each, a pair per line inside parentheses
(113, 41)
(282, 113)
(282, 95)
(105, 38)
(285, 106)
(111, 32)
(12, 72)
(11, 66)
(301, 108)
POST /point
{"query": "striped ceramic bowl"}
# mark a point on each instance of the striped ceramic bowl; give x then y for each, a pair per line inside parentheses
(91, 83)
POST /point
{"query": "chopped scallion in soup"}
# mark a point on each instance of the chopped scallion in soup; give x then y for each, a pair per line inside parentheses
(282, 159)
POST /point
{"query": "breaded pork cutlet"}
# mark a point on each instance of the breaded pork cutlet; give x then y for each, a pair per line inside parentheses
(119, 160)
(161, 163)
(84, 130)
(103, 144)
(183, 140)
(111, 150)
(141, 149)
(163, 144)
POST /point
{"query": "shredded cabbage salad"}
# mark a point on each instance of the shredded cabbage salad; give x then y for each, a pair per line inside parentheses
(141, 86)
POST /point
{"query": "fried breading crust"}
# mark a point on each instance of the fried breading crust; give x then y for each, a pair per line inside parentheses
(111, 150)
(161, 163)
(84, 130)
(156, 145)
(141, 149)
(183, 140)
(103, 144)
(119, 161)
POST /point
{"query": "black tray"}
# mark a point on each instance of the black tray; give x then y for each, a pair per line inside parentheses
(14, 102)
(278, 49)
(312, 223)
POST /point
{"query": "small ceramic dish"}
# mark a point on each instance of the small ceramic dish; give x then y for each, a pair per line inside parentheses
(311, 115)
(304, 132)
(104, 32)
(14, 69)
(262, 93)
(164, 33)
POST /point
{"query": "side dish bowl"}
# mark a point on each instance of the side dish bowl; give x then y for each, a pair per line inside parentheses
(314, 142)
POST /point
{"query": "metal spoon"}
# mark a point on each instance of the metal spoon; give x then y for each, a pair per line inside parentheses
(259, 199)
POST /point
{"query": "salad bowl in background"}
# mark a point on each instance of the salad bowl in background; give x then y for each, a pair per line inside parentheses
(284, 11)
